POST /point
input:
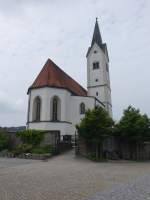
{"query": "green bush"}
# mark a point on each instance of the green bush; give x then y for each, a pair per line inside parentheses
(42, 150)
(31, 140)
(32, 137)
(93, 157)
(23, 148)
(4, 141)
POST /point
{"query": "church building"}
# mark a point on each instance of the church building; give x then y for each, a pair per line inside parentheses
(57, 102)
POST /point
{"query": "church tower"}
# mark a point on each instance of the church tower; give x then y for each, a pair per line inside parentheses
(98, 81)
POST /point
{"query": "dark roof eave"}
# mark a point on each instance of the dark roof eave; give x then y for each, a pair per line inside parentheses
(101, 47)
(100, 102)
(44, 86)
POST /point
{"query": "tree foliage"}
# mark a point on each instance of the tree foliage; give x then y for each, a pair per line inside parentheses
(4, 141)
(133, 125)
(95, 126)
(31, 137)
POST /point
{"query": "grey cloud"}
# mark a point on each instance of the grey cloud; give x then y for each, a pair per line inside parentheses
(10, 105)
(7, 108)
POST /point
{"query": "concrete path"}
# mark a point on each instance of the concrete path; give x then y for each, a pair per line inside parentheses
(66, 177)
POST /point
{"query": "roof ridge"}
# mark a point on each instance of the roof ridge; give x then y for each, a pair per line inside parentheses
(53, 76)
(66, 74)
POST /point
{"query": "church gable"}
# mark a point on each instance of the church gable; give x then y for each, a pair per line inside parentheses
(57, 102)
(52, 76)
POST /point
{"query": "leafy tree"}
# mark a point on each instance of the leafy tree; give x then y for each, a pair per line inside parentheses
(4, 141)
(133, 125)
(95, 126)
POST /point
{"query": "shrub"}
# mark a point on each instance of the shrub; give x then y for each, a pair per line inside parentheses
(31, 140)
(32, 137)
(93, 157)
(42, 150)
(4, 141)
(22, 148)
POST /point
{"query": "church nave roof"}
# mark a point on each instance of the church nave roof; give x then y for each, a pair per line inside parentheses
(52, 76)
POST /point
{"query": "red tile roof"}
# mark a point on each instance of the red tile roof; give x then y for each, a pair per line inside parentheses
(52, 76)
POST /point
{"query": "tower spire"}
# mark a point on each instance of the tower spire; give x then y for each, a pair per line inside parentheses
(96, 35)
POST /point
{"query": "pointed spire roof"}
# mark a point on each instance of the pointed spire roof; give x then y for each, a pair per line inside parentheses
(52, 76)
(96, 35)
(98, 40)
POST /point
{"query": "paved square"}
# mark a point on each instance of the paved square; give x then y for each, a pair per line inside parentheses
(68, 178)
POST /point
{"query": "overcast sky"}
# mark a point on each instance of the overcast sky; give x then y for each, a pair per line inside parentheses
(33, 30)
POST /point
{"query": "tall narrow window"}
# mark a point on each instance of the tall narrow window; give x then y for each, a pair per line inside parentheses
(82, 108)
(55, 109)
(107, 67)
(37, 109)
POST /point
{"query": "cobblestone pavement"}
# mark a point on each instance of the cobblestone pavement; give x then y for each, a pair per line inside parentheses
(6, 163)
(65, 177)
(137, 190)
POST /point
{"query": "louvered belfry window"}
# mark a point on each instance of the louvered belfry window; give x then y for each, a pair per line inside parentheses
(96, 65)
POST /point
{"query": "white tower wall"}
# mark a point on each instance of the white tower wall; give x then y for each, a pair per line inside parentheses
(98, 81)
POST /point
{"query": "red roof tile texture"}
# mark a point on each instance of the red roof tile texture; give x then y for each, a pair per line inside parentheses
(52, 76)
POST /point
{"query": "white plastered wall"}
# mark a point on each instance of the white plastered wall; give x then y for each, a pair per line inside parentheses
(102, 86)
(46, 94)
(74, 113)
(70, 112)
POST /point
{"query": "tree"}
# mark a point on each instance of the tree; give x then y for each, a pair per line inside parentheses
(133, 125)
(133, 130)
(4, 141)
(95, 126)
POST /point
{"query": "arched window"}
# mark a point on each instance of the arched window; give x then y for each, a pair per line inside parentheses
(55, 109)
(37, 109)
(55, 106)
(82, 108)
